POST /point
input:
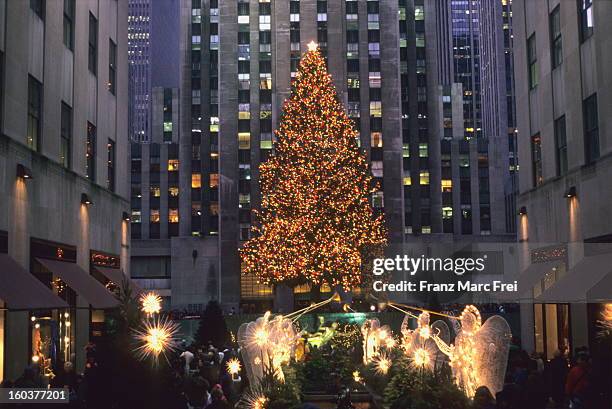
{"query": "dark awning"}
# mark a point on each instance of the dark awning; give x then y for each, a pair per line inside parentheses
(575, 285)
(532, 275)
(20, 290)
(116, 276)
(82, 283)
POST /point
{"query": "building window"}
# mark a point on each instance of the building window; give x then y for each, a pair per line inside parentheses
(155, 191)
(532, 59)
(38, 7)
(112, 66)
(154, 216)
(110, 176)
(93, 44)
(173, 165)
(136, 216)
(69, 24)
(173, 191)
(196, 180)
(585, 8)
(536, 159)
(591, 129)
(90, 154)
(173, 216)
(66, 136)
(556, 48)
(561, 146)
(34, 113)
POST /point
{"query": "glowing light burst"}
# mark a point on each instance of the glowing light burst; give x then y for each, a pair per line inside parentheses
(253, 399)
(233, 366)
(156, 338)
(357, 377)
(421, 358)
(382, 364)
(150, 303)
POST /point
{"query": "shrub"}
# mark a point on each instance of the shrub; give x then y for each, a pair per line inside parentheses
(417, 389)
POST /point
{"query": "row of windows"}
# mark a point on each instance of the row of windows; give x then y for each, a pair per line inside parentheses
(591, 142)
(34, 135)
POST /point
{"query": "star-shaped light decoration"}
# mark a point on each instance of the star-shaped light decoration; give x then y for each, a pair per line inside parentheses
(312, 46)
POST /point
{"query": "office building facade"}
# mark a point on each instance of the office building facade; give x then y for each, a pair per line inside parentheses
(563, 92)
(63, 177)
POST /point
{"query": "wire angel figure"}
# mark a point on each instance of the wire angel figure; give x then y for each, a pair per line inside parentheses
(375, 338)
(266, 344)
(480, 353)
(419, 344)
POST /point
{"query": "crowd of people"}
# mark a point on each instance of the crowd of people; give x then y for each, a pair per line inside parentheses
(535, 383)
(202, 375)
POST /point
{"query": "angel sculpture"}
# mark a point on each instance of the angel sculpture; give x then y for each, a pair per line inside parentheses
(266, 344)
(419, 343)
(375, 338)
(480, 353)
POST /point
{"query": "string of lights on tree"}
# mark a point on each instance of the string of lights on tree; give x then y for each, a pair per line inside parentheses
(316, 223)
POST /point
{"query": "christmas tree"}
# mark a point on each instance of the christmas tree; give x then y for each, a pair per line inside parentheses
(316, 224)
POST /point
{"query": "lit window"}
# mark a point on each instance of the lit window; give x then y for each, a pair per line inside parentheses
(244, 140)
(136, 216)
(173, 216)
(376, 109)
(155, 191)
(196, 180)
(406, 150)
(214, 179)
(423, 150)
(447, 185)
(265, 141)
(419, 13)
(167, 126)
(244, 199)
(424, 177)
(173, 165)
(377, 169)
(154, 215)
(447, 212)
(173, 191)
(407, 180)
(378, 200)
(377, 141)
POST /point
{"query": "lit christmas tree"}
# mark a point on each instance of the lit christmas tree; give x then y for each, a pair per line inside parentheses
(316, 224)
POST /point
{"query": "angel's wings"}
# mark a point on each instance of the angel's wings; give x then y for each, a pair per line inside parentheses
(492, 342)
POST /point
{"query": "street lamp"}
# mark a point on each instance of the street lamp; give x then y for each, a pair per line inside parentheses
(85, 199)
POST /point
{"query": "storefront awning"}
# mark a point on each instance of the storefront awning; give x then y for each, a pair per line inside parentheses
(20, 290)
(116, 276)
(82, 283)
(575, 285)
(532, 275)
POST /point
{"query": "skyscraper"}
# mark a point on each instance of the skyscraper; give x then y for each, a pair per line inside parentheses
(498, 106)
(139, 57)
(238, 58)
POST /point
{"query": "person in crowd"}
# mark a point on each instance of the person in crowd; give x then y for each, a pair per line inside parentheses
(483, 399)
(555, 374)
(66, 377)
(30, 378)
(187, 357)
(578, 385)
(218, 399)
